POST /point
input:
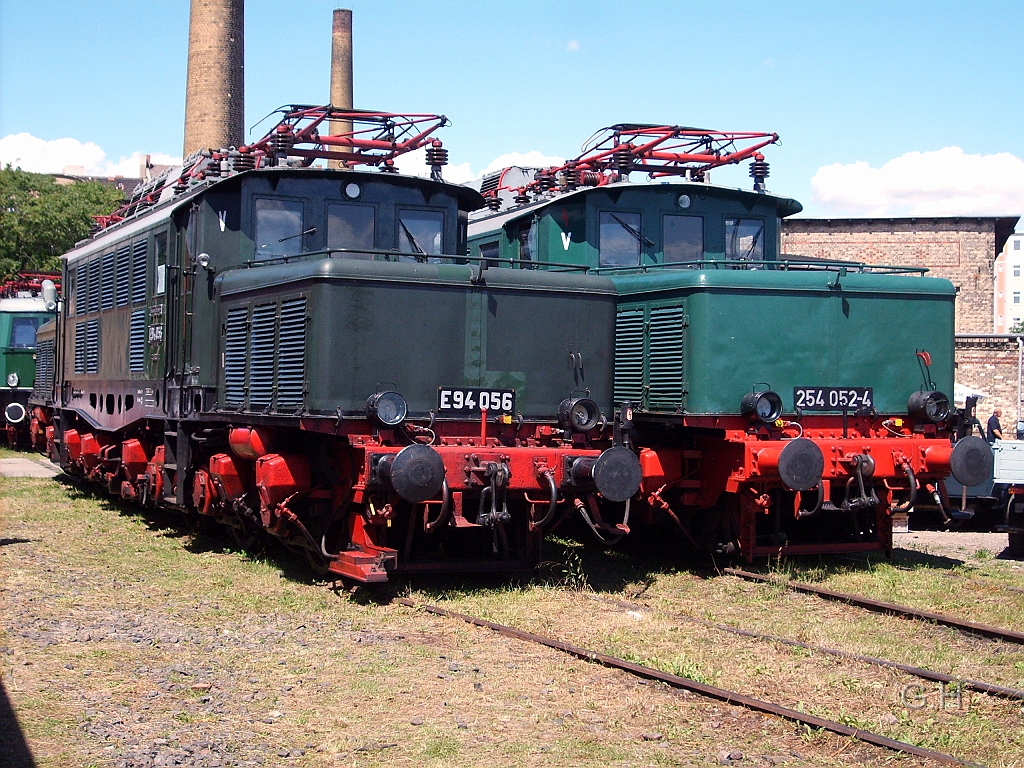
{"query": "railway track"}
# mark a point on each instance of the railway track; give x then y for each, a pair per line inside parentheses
(879, 606)
(702, 689)
(925, 674)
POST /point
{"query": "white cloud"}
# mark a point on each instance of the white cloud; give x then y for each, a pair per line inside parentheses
(947, 182)
(25, 151)
(572, 46)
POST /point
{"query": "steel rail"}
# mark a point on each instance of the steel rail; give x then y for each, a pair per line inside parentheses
(972, 627)
(925, 674)
(708, 691)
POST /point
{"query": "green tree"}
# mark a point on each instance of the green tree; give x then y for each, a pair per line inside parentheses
(1017, 327)
(40, 219)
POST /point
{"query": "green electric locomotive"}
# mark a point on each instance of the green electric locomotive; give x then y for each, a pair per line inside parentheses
(782, 404)
(27, 301)
(305, 351)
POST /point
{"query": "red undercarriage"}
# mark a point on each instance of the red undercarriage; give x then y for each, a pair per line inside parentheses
(273, 479)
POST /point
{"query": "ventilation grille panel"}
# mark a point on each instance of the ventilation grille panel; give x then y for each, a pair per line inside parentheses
(107, 294)
(44, 370)
(629, 356)
(92, 346)
(261, 356)
(234, 355)
(665, 358)
(139, 272)
(123, 275)
(94, 286)
(137, 342)
(81, 290)
(291, 361)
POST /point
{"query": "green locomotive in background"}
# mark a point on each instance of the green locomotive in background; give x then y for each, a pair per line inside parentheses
(783, 404)
(26, 301)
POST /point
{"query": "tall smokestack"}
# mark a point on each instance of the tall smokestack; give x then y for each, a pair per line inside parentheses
(214, 95)
(341, 71)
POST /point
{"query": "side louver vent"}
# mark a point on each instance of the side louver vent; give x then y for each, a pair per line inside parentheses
(81, 290)
(137, 342)
(139, 272)
(94, 286)
(107, 292)
(80, 348)
(629, 356)
(291, 359)
(44, 370)
(261, 356)
(123, 275)
(665, 359)
(92, 346)
(234, 355)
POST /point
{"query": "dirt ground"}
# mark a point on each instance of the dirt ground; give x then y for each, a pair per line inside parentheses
(128, 641)
(963, 545)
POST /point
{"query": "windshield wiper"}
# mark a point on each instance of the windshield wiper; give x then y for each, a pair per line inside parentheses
(633, 231)
(416, 247)
(290, 237)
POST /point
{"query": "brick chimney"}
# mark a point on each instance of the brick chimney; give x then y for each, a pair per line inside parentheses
(214, 95)
(341, 71)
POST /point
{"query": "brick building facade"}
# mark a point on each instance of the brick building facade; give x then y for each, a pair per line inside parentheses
(961, 249)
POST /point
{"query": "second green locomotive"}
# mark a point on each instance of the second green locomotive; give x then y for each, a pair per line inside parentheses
(782, 404)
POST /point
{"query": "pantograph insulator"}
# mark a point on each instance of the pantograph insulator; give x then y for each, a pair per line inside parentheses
(759, 172)
(494, 203)
(437, 155)
(521, 198)
(388, 166)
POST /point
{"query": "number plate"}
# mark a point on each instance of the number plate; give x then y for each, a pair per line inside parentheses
(474, 399)
(832, 398)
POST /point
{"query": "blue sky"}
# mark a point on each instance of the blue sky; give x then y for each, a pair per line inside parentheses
(849, 85)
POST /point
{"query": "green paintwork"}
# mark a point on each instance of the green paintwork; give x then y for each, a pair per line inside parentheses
(695, 338)
(18, 360)
(416, 327)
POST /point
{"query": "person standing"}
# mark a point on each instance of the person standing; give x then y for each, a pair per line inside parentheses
(995, 429)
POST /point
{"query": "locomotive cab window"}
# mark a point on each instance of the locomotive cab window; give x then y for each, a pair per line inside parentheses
(23, 332)
(744, 239)
(420, 233)
(620, 239)
(278, 228)
(489, 253)
(683, 238)
(527, 237)
(350, 227)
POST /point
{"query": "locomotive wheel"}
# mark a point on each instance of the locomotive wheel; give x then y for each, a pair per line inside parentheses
(242, 533)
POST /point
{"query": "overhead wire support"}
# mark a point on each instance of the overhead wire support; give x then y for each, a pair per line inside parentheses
(657, 150)
(375, 139)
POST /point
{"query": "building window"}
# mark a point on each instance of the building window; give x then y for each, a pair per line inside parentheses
(1016, 297)
(1016, 245)
(1016, 270)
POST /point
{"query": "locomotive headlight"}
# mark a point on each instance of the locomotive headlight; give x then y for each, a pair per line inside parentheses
(580, 414)
(764, 406)
(930, 406)
(389, 408)
(15, 413)
(13, 379)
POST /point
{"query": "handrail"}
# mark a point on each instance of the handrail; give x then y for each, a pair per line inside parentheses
(783, 265)
(422, 258)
